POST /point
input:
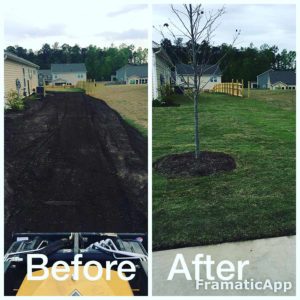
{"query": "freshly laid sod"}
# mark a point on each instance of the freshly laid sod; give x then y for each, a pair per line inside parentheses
(254, 201)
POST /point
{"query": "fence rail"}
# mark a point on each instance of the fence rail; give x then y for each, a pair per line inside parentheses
(230, 88)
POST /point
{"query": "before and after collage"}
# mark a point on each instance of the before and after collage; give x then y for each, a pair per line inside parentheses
(149, 148)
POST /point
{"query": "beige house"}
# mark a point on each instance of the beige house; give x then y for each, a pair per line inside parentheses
(162, 73)
(67, 74)
(210, 76)
(20, 75)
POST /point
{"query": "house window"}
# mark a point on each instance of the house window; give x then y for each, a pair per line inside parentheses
(55, 76)
(213, 79)
(146, 81)
(132, 81)
(293, 87)
(137, 81)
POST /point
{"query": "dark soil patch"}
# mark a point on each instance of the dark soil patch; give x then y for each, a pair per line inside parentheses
(73, 164)
(185, 164)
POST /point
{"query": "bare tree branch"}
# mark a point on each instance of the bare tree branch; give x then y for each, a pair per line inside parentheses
(199, 29)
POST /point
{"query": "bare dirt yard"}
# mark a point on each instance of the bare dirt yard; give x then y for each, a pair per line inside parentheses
(131, 101)
(73, 164)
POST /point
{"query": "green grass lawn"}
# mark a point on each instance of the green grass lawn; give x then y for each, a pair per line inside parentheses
(63, 89)
(254, 201)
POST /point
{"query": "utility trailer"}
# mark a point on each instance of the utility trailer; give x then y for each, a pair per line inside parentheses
(103, 248)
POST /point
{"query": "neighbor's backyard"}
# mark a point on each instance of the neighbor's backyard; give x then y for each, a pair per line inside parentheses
(254, 201)
(131, 101)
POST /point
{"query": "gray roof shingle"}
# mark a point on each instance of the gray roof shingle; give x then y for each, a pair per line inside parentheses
(67, 68)
(131, 70)
(184, 69)
(287, 77)
(45, 72)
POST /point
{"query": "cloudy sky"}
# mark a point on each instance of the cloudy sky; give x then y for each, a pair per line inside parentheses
(274, 24)
(32, 23)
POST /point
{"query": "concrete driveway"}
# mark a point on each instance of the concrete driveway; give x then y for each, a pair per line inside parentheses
(273, 259)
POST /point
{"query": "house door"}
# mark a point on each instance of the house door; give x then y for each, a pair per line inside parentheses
(28, 87)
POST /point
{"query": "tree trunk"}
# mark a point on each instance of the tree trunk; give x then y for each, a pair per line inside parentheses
(196, 119)
(196, 87)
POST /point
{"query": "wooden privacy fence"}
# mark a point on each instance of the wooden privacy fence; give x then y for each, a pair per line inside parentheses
(230, 88)
(89, 86)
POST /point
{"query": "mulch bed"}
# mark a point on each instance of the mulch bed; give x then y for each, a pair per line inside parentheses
(185, 164)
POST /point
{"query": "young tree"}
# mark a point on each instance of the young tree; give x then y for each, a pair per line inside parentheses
(197, 27)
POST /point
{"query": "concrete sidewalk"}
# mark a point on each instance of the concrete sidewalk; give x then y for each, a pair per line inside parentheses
(273, 258)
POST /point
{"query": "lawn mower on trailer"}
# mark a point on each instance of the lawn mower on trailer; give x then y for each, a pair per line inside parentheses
(76, 264)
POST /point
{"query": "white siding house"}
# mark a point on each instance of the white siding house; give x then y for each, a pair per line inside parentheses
(162, 73)
(67, 74)
(20, 75)
(211, 75)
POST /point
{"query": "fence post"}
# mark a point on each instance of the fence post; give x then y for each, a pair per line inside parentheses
(242, 87)
(248, 89)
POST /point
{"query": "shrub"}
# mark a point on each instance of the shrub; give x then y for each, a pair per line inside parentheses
(166, 92)
(14, 101)
(166, 96)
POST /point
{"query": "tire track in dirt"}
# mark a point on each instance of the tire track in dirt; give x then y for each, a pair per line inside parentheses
(73, 164)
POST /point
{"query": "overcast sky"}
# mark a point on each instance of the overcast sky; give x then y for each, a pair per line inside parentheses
(274, 24)
(31, 24)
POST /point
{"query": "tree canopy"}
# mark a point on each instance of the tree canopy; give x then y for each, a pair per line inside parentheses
(101, 63)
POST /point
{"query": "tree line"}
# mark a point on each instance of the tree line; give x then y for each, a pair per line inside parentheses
(235, 63)
(101, 63)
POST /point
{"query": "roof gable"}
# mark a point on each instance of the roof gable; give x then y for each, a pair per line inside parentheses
(68, 68)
